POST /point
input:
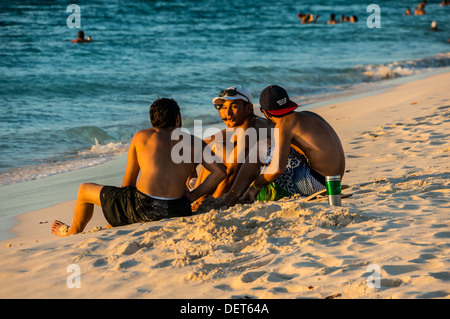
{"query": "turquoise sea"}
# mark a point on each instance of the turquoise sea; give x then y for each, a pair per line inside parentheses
(65, 106)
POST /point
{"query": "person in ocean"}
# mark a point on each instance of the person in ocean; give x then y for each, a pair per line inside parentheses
(307, 18)
(344, 18)
(160, 190)
(420, 10)
(81, 38)
(235, 108)
(434, 26)
(306, 150)
(332, 19)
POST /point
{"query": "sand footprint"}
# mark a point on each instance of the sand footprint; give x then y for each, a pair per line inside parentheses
(128, 248)
(252, 276)
(279, 277)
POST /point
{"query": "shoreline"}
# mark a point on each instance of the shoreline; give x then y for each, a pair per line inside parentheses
(307, 102)
(396, 223)
(47, 192)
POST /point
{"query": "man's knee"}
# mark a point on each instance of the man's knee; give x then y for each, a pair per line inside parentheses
(85, 190)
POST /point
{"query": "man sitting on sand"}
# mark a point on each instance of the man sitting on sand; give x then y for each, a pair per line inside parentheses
(81, 38)
(235, 107)
(160, 190)
(306, 150)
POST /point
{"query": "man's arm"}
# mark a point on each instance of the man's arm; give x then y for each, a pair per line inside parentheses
(225, 185)
(132, 170)
(194, 173)
(236, 152)
(217, 174)
(283, 138)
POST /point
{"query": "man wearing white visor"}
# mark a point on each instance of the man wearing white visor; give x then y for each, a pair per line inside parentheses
(235, 108)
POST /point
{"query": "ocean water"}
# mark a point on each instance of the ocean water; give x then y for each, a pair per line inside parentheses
(65, 106)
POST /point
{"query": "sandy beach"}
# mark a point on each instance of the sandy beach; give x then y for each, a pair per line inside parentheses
(390, 239)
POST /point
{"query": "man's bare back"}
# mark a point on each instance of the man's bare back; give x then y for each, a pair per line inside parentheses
(313, 137)
(151, 153)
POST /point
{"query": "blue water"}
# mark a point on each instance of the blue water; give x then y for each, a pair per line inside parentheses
(65, 106)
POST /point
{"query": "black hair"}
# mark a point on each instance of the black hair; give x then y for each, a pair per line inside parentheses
(164, 112)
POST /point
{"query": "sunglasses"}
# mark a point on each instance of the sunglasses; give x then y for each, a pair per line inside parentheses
(229, 92)
(232, 92)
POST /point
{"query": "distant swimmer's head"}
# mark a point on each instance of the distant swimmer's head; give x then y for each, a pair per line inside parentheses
(353, 19)
(81, 34)
(275, 101)
(165, 113)
(434, 25)
(235, 105)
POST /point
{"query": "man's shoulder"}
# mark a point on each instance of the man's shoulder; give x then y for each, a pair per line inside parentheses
(261, 122)
(145, 134)
(147, 131)
(290, 119)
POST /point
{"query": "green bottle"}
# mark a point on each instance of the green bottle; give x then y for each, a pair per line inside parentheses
(334, 190)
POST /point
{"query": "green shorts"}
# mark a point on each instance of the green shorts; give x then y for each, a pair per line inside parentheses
(272, 192)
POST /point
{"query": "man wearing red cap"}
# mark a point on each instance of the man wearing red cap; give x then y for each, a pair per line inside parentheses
(306, 150)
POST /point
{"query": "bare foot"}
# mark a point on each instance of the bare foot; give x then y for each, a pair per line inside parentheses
(59, 229)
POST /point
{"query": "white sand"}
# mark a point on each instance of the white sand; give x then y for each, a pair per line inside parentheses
(397, 147)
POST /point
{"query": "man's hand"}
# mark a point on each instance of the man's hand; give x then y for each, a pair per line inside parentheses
(251, 194)
(188, 194)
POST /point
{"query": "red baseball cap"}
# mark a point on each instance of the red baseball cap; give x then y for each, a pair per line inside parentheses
(275, 100)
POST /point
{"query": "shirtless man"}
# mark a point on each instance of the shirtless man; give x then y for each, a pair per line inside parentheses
(307, 18)
(332, 19)
(419, 10)
(81, 38)
(160, 190)
(235, 107)
(306, 150)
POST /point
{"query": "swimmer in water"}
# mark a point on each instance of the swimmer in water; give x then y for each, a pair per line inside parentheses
(81, 38)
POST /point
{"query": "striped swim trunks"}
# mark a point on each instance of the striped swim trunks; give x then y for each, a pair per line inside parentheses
(297, 178)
